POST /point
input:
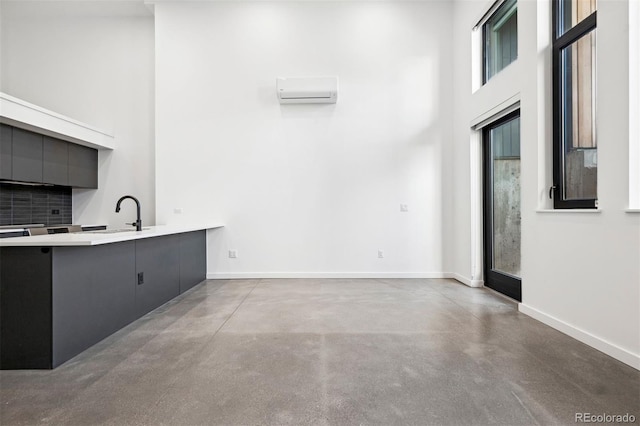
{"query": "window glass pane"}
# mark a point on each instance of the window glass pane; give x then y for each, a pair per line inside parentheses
(501, 38)
(578, 135)
(572, 12)
(505, 188)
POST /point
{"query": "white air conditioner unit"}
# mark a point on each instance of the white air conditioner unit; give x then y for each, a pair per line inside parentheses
(307, 90)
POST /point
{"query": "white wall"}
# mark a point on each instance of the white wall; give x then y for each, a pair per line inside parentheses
(307, 190)
(91, 61)
(580, 271)
(634, 105)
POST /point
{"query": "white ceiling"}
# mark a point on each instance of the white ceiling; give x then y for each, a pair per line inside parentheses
(87, 8)
(36, 8)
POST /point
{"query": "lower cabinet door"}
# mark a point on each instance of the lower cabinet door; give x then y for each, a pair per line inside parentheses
(93, 295)
(193, 259)
(25, 308)
(157, 272)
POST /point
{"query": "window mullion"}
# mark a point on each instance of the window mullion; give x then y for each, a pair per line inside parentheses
(570, 36)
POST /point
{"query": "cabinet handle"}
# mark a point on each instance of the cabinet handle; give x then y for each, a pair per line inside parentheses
(551, 189)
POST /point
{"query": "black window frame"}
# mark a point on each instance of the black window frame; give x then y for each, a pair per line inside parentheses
(502, 282)
(485, 57)
(560, 42)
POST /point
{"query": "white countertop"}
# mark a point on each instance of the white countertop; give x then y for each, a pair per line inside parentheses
(94, 238)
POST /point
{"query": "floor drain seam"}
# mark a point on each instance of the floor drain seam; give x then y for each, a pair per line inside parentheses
(235, 310)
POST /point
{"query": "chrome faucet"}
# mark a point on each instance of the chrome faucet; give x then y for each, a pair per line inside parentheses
(138, 222)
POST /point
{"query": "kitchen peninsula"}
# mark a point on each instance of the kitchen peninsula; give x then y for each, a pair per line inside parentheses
(62, 293)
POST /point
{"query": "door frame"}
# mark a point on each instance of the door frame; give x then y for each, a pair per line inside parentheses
(503, 283)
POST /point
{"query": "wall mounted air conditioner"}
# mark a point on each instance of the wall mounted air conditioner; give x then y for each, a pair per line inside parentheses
(307, 90)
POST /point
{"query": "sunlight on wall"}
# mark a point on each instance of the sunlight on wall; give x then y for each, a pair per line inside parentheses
(419, 93)
(476, 59)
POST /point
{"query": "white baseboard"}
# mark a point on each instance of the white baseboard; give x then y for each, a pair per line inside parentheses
(465, 280)
(371, 275)
(608, 348)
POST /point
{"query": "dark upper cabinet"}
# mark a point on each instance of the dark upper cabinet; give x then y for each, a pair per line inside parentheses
(83, 166)
(5, 151)
(27, 156)
(55, 166)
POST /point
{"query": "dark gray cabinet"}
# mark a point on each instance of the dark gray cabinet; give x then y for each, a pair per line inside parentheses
(93, 296)
(158, 269)
(25, 307)
(27, 156)
(193, 259)
(5, 151)
(83, 166)
(55, 165)
(55, 302)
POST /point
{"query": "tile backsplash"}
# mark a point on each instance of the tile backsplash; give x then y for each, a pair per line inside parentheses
(22, 204)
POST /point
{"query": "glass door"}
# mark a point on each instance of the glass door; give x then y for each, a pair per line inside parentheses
(501, 151)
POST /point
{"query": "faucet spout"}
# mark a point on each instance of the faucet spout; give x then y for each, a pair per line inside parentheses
(138, 222)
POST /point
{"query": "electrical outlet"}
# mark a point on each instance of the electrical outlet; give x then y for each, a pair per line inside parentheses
(404, 208)
(380, 254)
(177, 210)
(233, 254)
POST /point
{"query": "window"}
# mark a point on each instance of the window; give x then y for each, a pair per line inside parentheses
(575, 148)
(500, 34)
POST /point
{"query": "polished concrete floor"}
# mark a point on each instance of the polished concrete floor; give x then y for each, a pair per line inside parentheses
(335, 352)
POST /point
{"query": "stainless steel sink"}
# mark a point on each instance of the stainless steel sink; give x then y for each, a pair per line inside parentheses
(113, 231)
